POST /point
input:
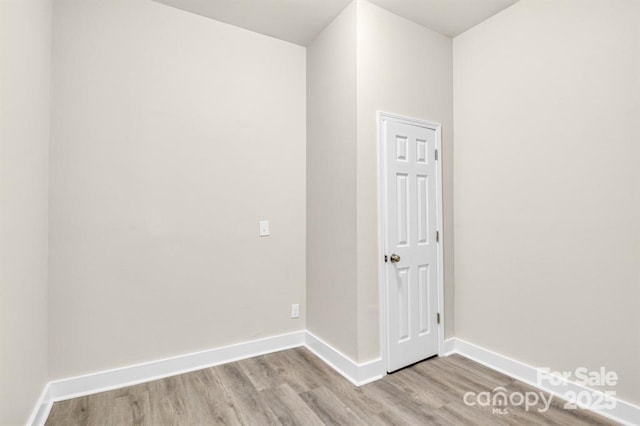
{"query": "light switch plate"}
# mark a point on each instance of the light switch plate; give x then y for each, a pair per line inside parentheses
(295, 310)
(264, 228)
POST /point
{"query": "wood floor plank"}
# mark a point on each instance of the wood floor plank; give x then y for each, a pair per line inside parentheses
(333, 411)
(262, 373)
(295, 387)
(317, 374)
(388, 419)
(288, 407)
(251, 408)
(216, 403)
(395, 402)
(557, 413)
(491, 377)
(288, 365)
(458, 379)
(413, 385)
(73, 411)
(456, 413)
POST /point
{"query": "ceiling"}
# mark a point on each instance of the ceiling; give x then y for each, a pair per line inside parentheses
(448, 17)
(298, 21)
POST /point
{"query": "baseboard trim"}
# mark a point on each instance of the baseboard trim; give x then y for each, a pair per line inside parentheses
(357, 373)
(449, 347)
(43, 407)
(73, 387)
(623, 411)
(145, 372)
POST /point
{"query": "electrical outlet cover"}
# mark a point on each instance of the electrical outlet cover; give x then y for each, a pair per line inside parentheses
(264, 228)
(295, 310)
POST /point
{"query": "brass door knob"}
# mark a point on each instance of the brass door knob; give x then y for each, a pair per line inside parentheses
(394, 258)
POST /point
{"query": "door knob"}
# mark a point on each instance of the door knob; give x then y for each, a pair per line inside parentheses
(394, 258)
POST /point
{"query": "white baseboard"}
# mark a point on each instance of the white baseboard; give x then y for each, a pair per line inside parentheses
(449, 347)
(357, 373)
(73, 387)
(41, 410)
(623, 412)
(130, 375)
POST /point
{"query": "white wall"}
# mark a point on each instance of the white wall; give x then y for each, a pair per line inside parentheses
(367, 60)
(331, 184)
(25, 58)
(403, 68)
(172, 136)
(547, 125)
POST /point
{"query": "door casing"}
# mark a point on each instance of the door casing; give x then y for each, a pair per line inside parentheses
(382, 117)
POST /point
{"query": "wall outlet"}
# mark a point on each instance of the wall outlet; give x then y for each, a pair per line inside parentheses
(295, 310)
(264, 228)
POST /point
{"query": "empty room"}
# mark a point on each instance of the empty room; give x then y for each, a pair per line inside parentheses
(319, 212)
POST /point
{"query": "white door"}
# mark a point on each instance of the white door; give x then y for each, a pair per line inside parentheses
(411, 266)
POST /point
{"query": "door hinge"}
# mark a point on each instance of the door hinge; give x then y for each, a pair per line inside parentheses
(436, 155)
(386, 258)
(437, 236)
(438, 317)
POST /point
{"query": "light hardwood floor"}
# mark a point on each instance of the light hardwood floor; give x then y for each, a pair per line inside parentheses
(294, 387)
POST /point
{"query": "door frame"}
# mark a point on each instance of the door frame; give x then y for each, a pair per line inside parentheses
(381, 118)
